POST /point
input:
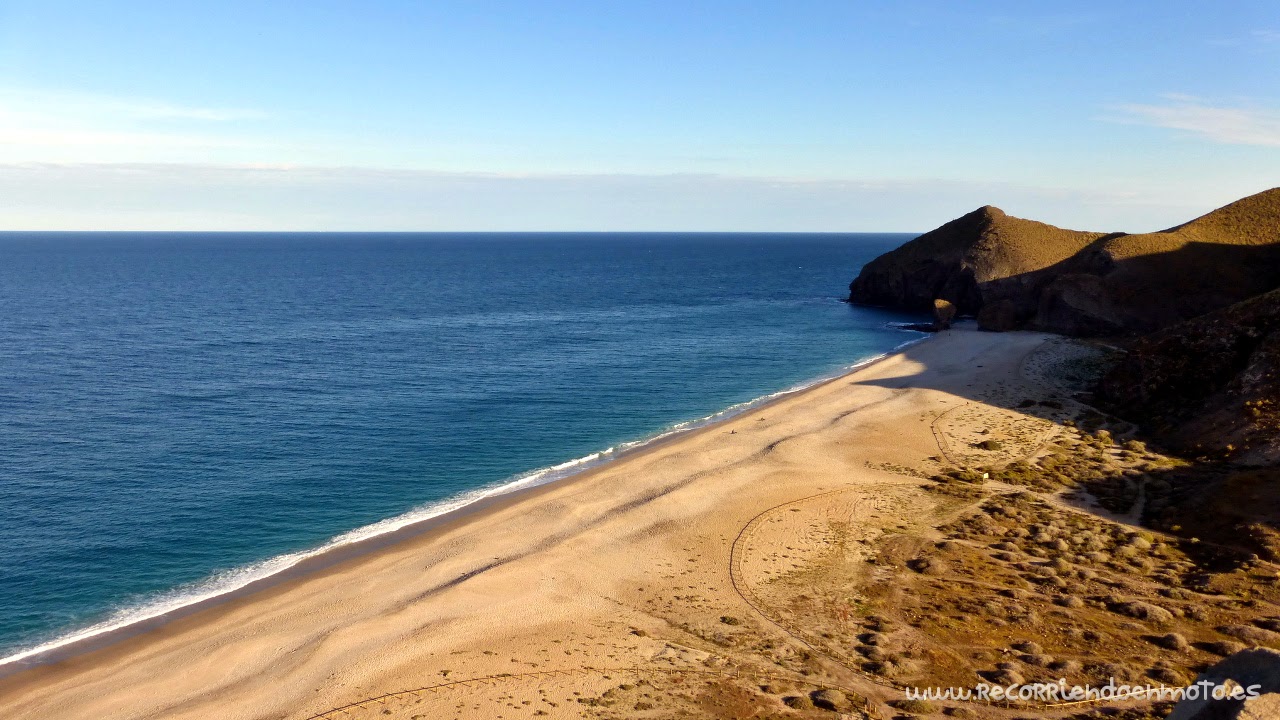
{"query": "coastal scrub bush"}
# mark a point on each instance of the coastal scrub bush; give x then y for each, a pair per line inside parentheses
(879, 623)
(874, 639)
(1066, 667)
(928, 566)
(966, 475)
(1143, 611)
(798, 702)
(1007, 676)
(1167, 675)
(1223, 647)
(1103, 672)
(1269, 623)
(830, 699)
(873, 653)
(915, 706)
(1172, 641)
(1037, 660)
(1248, 633)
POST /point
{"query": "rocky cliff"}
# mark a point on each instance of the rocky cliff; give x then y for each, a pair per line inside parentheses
(1014, 273)
(1209, 385)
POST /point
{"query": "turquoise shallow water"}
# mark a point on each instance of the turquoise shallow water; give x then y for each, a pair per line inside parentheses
(182, 413)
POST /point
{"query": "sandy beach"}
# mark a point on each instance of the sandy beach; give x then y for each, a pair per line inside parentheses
(639, 361)
(676, 558)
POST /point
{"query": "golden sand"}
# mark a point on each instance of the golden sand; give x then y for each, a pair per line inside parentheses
(650, 563)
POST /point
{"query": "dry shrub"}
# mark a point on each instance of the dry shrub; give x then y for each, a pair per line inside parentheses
(1248, 634)
(1172, 641)
(1223, 647)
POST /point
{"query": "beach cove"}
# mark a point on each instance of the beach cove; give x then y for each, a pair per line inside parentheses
(627, 565)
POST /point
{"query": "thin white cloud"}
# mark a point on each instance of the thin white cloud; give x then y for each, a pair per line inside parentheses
(99, 108)
(139, 196)
(151, 110)
(30, 138)
(48, 126)
(1232, 125)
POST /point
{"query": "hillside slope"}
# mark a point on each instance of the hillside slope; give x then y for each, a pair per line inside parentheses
(1210, 385)
(963, 259)
(1015, 273)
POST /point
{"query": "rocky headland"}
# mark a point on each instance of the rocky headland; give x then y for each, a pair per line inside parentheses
(1186, 328)
(1013, 273)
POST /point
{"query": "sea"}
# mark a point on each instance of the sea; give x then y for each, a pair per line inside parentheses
(184, 413)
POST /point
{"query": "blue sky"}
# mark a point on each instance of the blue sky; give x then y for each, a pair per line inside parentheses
(856, 116)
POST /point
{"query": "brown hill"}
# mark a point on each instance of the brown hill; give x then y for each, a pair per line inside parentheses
(961, 260)
(1207, 386)
(1015, 273)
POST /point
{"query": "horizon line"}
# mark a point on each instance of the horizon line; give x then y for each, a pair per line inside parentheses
(462, 232)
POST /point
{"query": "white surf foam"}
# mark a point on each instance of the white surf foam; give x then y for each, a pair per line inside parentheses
(237, 578)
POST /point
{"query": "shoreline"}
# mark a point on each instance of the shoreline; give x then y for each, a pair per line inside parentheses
(737, 570)
(659, 563)
(335, 551)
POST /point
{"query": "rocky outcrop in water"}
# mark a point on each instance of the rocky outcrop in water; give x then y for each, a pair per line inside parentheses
(944, 312)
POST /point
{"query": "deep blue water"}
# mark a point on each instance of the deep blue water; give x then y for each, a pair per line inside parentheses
(176, 409)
